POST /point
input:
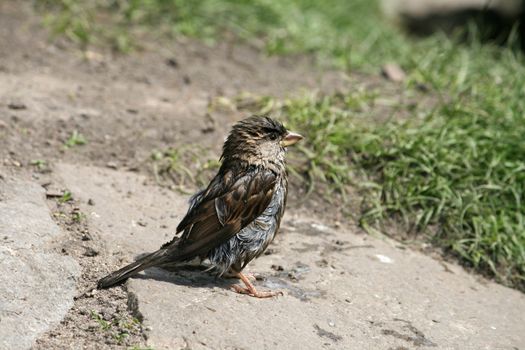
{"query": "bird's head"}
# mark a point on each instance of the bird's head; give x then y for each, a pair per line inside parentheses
(258, 140)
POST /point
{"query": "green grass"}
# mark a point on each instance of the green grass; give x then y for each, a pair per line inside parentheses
(453, 169)
(119, 328)
(459, 168)
(76, 139)
(342, 31)
(66, 197)
(186, 167)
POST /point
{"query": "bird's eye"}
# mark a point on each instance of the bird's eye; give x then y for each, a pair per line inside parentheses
(273, 136)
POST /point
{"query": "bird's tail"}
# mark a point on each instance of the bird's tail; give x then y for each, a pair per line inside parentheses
(150, 260)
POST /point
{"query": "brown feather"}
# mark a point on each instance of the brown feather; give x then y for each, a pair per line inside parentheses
(218, 218)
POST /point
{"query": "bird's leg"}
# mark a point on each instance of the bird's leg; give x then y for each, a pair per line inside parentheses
(250, 289)
(249, 276)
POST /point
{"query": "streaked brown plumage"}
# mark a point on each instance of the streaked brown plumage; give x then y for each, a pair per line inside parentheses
(234, 219)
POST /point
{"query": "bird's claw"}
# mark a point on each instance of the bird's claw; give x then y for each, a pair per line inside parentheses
(254, 293)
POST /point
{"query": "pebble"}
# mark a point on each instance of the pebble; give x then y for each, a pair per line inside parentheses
(16, 106)
(393, 72)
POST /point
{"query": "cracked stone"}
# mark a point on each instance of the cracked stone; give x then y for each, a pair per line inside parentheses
(45, 279)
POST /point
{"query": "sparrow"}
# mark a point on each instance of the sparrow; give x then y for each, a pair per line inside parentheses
(234, 219)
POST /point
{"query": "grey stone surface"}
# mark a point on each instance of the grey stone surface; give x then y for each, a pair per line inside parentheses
(342, 290)
(37, 285)
(150, 216)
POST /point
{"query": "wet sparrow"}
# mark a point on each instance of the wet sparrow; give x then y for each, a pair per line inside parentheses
(234, 219)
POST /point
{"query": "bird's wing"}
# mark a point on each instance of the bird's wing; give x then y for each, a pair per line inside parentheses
(229, 204)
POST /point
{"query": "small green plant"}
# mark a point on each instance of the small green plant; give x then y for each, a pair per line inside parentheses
(119, 328)
(66, 197)
(40, 164)
(76, 139)
(77, 216)
(104, 325)
(186, 167)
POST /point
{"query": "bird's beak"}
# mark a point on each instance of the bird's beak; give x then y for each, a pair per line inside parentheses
(290, 139)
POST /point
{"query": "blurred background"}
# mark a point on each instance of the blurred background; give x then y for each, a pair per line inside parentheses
(334, 28)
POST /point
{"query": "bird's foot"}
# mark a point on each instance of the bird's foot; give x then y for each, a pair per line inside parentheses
(255, 293)
(250, 289)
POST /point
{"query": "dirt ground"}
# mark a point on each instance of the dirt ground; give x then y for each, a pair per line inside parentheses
(127, 107)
